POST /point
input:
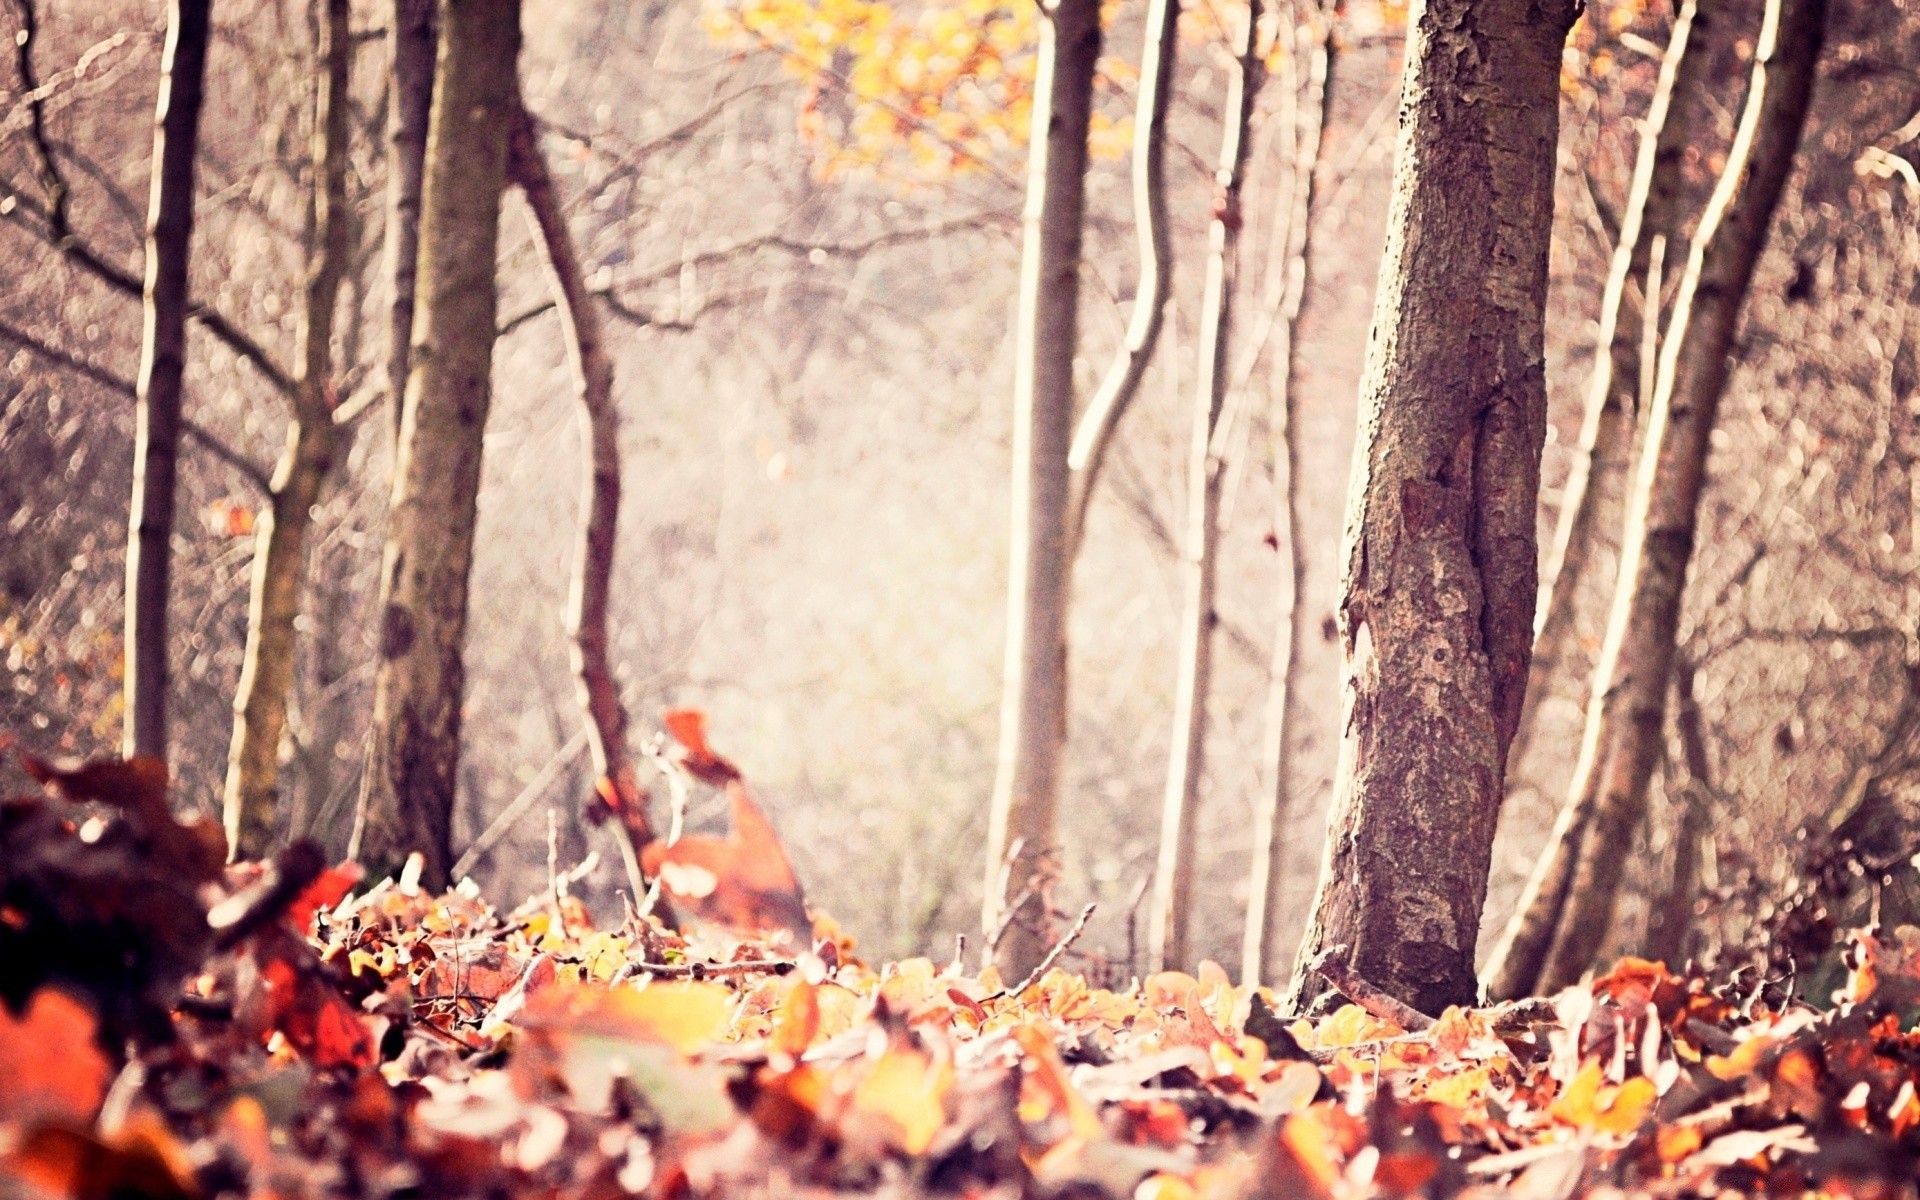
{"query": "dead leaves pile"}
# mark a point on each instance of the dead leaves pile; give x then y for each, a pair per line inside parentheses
(390, 1043)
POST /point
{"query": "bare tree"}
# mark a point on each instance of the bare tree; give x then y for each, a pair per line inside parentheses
(313, 444)
(1308, 106)
(591, 594)
(163, 361)
(410, 45)
(1652, 214)
(1172, 909)
(1440, 573)
(1094, 433)
(1568, 905)
(408, 790)
(1033, 719)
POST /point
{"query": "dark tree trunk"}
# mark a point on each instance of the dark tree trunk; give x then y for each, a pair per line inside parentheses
(1033, 714)
(163, 360)
(1626, 717)
(413, 765)
(1440, 573)
(590, 598)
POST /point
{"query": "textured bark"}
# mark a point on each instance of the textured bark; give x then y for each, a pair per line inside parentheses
(410, 45)
(1262, 957)
(1627, 713)
(590, 596)
(159, 387)
(280, 534)
(1653, 209)
(1169, 918)
(1440, 550)
(408, 790)
(1033, 713)
(1094, 433)
(1670, 916)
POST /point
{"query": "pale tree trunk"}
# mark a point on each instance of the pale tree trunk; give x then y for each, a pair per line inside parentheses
(1670, 919)
(1440, 571)
(1262, 957)
(1094, 432)
(280, 535)
(410, 46)
(1033, 712)
(1568, 906)
(590, 596)
(160, 386)
(1169, 919)
(412, 769)
(1653, 210)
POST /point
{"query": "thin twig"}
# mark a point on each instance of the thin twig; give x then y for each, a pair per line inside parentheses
(1053, 956)
(700, 970)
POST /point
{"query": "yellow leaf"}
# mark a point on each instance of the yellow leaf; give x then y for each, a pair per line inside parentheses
(1590, 1104)
(909, 1088)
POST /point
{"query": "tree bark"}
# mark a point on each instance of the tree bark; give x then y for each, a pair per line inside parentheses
(1094, 433)
(1440, 571)
(408, 790)
(1653, 209)
(590, 596)
(410, 45)
(1627, 713)
(1262, 957)
(1033, 716)
(1171, 915)
(159, 387)
(280, 534)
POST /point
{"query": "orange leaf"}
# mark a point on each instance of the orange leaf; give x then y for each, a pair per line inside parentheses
(743, 882)
(51, 1064)
(909, 1088)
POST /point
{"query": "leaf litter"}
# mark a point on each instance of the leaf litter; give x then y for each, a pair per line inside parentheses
(173, 1029)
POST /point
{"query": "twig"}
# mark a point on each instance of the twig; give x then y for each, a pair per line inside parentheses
(1053, 955)
(700, 970)
(1332, 966)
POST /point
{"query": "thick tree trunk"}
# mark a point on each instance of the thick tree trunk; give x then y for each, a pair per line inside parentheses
(163, 358)
(1033, 714)
(410, 47)
(1094, 433)
(280, 535)
(1437, 611)
(1653, 210)
(590, 597)
(1170, 916)
(1262, 957)
(1627, 714)
(408, 790)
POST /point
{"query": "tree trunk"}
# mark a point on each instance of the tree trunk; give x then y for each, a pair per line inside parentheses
(1436, 614)
(590, 596)
(1171, 914)
(280, 535)
(1627, 714)
(410, 44)
(1033, 716)
(1261, 954)
(1094, 433)
(1670, 921)
(412, 770)
(163, 359)
(1653, 209)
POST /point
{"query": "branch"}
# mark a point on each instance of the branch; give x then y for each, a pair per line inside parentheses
(60, 233)
(199, 434)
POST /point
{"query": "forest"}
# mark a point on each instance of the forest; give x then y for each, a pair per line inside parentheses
(1137, 599)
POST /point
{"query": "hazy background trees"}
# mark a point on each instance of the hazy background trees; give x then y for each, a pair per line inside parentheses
(808, 305)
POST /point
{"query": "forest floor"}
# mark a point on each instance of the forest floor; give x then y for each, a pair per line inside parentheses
(173, 1028)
